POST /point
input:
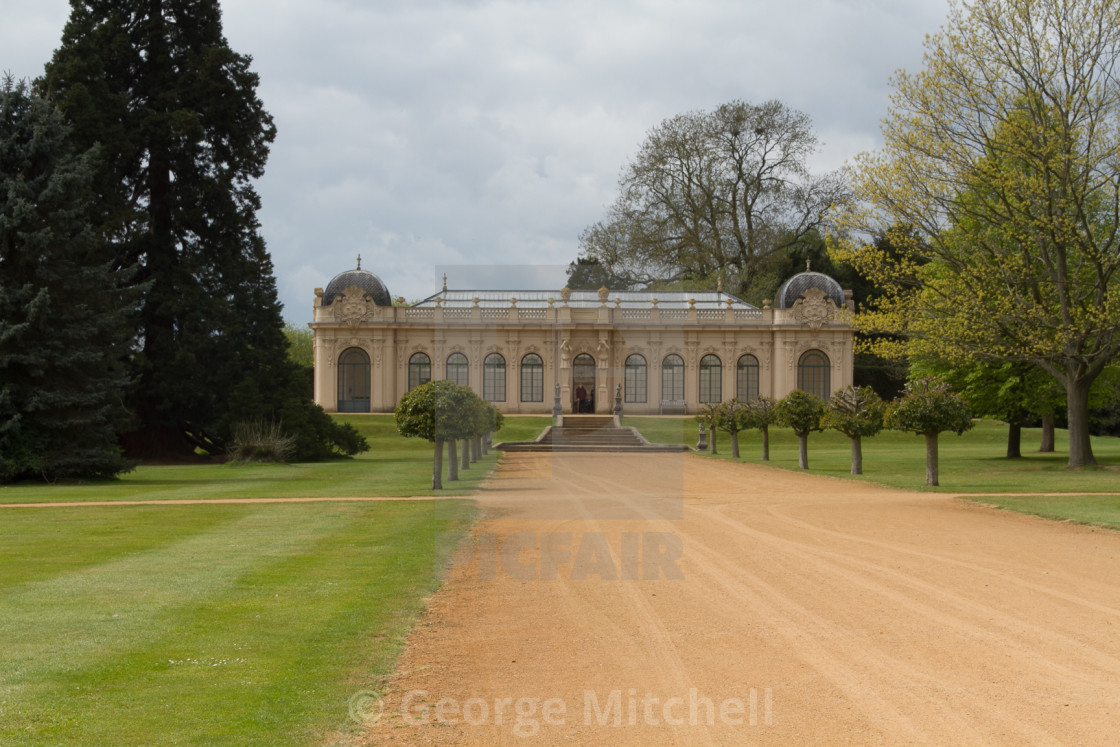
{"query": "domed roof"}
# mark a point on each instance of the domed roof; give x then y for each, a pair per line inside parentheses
(370, 284)
(792, 289)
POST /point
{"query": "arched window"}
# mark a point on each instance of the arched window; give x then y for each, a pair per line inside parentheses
(494, 378)
(711, 379)
(353, 381)
(419, 370)
(746, 378)
(813, 374)
(672, 378)
(634, 381)
(532, 378)
(458, 370)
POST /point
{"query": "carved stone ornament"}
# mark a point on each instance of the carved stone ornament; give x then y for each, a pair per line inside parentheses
(814, 308)
(353, 308)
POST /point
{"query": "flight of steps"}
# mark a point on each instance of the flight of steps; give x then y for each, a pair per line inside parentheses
(589, 433)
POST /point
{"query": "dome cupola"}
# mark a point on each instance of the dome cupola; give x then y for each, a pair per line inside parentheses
(792, 289)
(370, 284)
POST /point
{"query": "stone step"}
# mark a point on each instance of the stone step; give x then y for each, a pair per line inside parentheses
(589, 434)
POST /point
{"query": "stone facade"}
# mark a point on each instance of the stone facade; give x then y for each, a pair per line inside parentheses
(662, 351)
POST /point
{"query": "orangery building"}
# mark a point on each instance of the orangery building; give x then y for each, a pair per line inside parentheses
(656, 352)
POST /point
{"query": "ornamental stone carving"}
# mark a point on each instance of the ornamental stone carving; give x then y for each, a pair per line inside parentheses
(353, 307)
(814, 308)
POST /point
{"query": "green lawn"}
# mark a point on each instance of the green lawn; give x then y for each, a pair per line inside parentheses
(393, 467)
(219, 624)
(974, 462)
(224, 624)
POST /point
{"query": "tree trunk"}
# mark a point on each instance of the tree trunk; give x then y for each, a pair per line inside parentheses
(1047, 445)
(1077, 405)
(1014, 440)
(803, 450)
(857, 455)
(766, 444)
(452, 461)
(931, 459)
(466, 458)
(476, 448)
(735, 444)
(712, 440)
(437, 467)
(485, 444)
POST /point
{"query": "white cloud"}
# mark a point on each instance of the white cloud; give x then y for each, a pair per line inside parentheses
(493, 131)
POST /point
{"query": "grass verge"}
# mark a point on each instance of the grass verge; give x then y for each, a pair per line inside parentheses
(394, 467)
(230, 624)
(974, 463)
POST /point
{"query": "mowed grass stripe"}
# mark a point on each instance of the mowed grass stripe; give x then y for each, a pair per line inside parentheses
(251, 629)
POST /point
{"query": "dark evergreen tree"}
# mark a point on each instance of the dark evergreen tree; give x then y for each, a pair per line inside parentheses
(64, 326)
(182, 135)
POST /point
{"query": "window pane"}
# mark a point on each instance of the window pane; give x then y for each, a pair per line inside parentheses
(813, 374)
(746, 378)
(419, 370)
(635, 379)
(672, 378)
(711, 385)
(532, 378)
(458, 370)
(494, 378)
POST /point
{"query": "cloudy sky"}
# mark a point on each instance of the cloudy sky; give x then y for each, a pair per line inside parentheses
(462, 136)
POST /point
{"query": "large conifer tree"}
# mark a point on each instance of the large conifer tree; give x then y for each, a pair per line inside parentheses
(63, 322)
(182, 135)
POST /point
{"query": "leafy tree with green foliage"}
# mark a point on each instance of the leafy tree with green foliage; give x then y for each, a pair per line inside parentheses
(588, 273)
(64, 326)
(1004, 390)
(761, 414)
(857, 412)
(732, 416)
(182, 136)
(802, 412)
(1000, 157)
(301, 345)
(441, 412)
(713, 193)
(927, 407)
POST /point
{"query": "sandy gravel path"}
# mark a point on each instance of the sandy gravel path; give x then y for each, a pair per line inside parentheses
(807, 610)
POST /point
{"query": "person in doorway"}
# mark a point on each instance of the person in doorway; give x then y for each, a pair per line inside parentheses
(581, 399)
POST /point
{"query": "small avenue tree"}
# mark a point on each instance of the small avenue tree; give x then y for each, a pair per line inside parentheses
(927, 407)
(761, 414)
(856, 412)
(731, 416)
(801, 412)
(709, 415)
(439, 411)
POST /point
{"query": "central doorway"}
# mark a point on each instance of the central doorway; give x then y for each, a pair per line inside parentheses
(583, 384)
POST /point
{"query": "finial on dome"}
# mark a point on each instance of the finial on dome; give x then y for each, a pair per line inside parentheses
(359, 261)
(719, 282)
(445, 281)
(808, 264)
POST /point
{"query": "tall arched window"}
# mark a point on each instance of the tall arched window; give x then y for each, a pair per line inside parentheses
(458, 370)
(532, 378)
(634, 382)
(672, 378)
(746, 378)
(353, 381)
(419, 370)
(813, 374)
(711, 379)
(494, 378)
